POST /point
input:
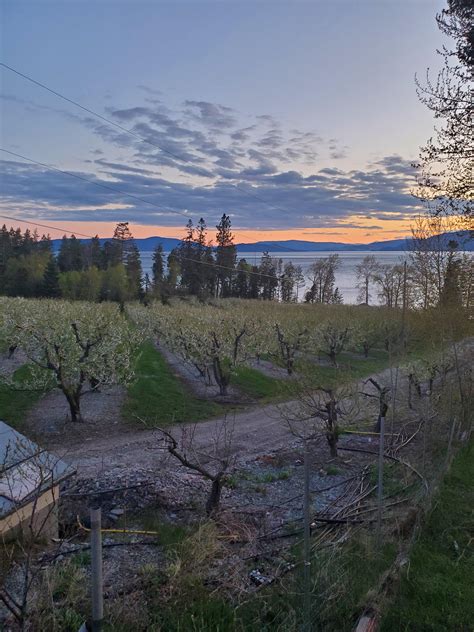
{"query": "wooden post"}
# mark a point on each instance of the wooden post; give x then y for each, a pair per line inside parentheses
(380, 481)
(307, 545)
(96, 570)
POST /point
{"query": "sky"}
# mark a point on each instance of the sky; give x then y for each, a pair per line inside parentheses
(298, 119)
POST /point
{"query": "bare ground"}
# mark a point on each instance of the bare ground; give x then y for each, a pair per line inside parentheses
(106, 441)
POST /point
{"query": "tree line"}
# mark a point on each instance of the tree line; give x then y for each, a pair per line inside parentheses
(435, 273)
(81, 270)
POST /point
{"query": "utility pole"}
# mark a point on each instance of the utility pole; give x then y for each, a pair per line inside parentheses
(96, 570)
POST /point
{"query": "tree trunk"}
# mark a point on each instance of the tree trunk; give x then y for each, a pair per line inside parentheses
(215, 496)
(332, 441)
(74, 406)
(219, 376)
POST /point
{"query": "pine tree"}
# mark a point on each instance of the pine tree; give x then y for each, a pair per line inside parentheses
(50, 286)
(96, 258)
(269, 277)
(242, 279)
(158, 268)
(226, 256)
(133, 267)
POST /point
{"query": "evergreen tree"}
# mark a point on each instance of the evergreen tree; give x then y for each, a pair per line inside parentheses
(269, 277)
(116, 251)
(45, 245)
(226, 256)
(133, 267)
(186, 258)
(95, 254)
(255, 282)
(242, 281)
(50, 286)
(288, 282)
(71, 255)
(158, 268)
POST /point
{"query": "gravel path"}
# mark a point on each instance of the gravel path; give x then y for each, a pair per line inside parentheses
(107, 443)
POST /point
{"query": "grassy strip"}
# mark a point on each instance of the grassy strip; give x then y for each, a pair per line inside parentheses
(159, 398)
(437, 594)
(256, 384)
(350, 367)
(15, 404)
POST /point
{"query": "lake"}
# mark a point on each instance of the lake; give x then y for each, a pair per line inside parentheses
(345, 276)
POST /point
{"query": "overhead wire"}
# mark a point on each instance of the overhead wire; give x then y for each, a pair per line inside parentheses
(98, 184)
(199, 261)
(204, 172)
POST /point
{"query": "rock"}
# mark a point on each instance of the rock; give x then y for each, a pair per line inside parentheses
(257, 578)
(117, 511)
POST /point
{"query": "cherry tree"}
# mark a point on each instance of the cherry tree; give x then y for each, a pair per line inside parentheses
(76, 346)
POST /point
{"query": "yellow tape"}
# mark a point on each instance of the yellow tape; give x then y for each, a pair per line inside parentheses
(117, 530)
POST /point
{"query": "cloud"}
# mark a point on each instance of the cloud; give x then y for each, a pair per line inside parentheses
(204, 158)
(275, 200)
(211, 115)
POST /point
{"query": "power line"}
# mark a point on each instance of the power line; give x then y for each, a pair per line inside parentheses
(17, 219)
(199, 261)
(204, 172)
(97, 184)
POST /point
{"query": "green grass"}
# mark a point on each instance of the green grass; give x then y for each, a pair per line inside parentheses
(158, 397)
(350, 367)
(15, 404)
(256, 384)
(437, 594)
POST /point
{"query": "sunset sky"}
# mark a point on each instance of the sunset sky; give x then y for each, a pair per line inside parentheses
(298, 119)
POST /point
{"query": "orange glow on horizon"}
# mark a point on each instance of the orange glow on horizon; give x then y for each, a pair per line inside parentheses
(356, 230)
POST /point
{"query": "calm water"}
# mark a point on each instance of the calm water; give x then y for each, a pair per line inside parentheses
(345, 276)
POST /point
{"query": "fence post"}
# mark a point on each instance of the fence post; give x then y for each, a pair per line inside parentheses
(307, 544)
(380, 481)
(96, 570)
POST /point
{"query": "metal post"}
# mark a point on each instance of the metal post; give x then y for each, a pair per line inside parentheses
(96, 570)
(307, 545)
(380, 481)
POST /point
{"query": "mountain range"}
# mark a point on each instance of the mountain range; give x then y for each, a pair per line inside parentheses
(148, 244)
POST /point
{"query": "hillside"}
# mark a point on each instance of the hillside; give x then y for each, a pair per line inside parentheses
(148, 244)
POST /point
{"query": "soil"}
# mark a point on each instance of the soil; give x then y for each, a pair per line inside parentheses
(197, 384)
(106, 441)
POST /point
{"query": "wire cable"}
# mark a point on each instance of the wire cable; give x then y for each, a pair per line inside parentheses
(206, 263)
(204, 172)
(97, 184)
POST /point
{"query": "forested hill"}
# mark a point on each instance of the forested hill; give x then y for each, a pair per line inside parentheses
(294, 245)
